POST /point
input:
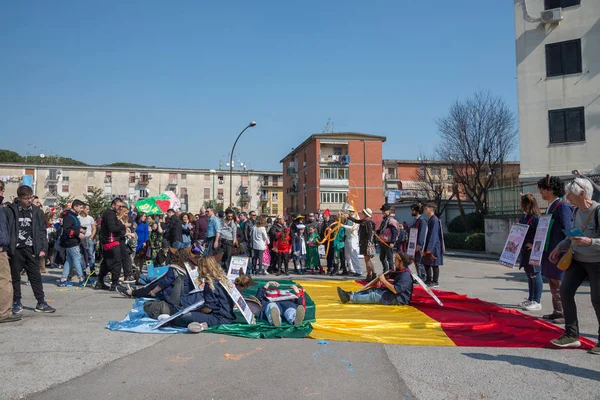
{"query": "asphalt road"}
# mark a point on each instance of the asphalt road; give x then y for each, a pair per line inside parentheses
(70, 355)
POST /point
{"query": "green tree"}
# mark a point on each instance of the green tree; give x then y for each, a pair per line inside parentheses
(10, 156)
(218, 206)
(62, 201)
(97, 200)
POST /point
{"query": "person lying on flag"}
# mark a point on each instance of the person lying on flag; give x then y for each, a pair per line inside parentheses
(398, 293)
(272, 309)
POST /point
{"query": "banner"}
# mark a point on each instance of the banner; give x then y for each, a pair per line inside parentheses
(513, 245)
(236, 264)
(195, 277)
(538, 241)
(412, 242)
(240, 302)
(156, 205)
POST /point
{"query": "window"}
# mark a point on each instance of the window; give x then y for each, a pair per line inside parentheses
(220, 177)
(449, 189)
(132, 177)
(53, 175)
(422, 172)
(206, 193)
(245, 180)
(172, 179)
(183, 192)
(550, 4)
(143, 193)
(90, 174)
(65, 178)
(333, 197)
(90, 189)
(108, 177)
(449, 172)
(275, 209)
(220, 194)
(436, 171)
(567, 125)
(334, 173)
(52, 189)
(337, 151)
(275, 181)
(265, 180)
(183, 176)
(563, 58)
(65, 188)
(107, 190)
(274, 196)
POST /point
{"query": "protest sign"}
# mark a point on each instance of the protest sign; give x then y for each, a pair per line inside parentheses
(412, 242)
(539, 240)
(426, 288)
(237, 264)
(513, 245)
(186, 310)
(195, 277)
(237, 298)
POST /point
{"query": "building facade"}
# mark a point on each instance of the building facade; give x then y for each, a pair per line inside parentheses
(328, 170)
(558, 67)
(194, 187)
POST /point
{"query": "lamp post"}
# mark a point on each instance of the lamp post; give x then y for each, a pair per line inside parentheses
(250, 125)
(212, 173)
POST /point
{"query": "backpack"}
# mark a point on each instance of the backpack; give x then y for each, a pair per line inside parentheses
(386, 234)
(60, 234)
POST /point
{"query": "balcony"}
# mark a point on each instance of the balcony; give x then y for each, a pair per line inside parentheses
(50, 195)
(338, 159)
(108, 179)
(278, 183)
(245, 198)
(291, 171)
(391, 177)
(334, 182)
(172, 182)
(53, 176)
(143, 180)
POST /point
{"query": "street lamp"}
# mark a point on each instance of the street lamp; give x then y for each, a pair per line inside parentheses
(212, 173)
(250, 125)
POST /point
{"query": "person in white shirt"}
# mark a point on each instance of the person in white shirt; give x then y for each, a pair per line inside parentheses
(351, 246)
(260, 240)
(88, 245)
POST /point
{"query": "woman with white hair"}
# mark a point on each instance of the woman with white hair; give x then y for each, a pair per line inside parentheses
(585, 263)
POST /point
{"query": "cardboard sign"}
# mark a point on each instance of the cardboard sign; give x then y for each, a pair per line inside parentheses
(412, 242)
(195, 277)
(322, 251)
(513, 245)
(275, 295)
(237, 264)
(186, 310)
(426, 288)
(539, 240)
(238, 299)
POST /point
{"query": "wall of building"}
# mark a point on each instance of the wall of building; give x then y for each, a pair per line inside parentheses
(496, 232)
(538, 93)
(374, 180)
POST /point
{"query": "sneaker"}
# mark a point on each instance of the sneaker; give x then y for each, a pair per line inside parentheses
(275, 316)
(344, 296)
(427, 283)
(62, 283)
(197, 327)
(524, 304)
(44, 307)
(566, 341)
(17, 307)
(123, 292)
(356, 274)
(113, 287)
(533, 306)
(100, 286)
(595, 350)
(162, 317)
(12, 318)
(558, 321)
(553, 316)
(299, 315)
(435, 285)
(82, 283)
(129, 279)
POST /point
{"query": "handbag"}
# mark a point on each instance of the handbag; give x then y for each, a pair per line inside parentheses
(565, 261)
(371, 248)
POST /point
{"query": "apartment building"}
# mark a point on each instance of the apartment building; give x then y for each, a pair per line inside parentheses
(558, 67)
(253, 190)
(326, 168)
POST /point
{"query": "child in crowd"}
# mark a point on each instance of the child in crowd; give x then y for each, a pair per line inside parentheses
(271, 311)
(398, 293)
(284, 248)
(312, 252)
(534, 277)
(299, 248)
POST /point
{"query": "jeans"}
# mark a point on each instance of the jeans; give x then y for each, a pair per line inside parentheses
(534, 282)
(180, 245)
(370, 296)
(289, 314)
(421, 271)
(90, 248)
(574, 277)
(24, 258)
(556, 297)
(257, 258)
(73, 257)
(386, 255)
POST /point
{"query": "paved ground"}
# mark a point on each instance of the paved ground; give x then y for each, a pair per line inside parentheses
(69, 355)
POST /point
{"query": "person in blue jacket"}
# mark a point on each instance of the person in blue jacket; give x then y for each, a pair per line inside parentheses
(398, 293)
(552, 190)
(271, 311)
(420, 224)
(534, 278)
(433, 250)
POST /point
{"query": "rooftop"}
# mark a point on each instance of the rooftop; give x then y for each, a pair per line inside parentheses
(335, 136)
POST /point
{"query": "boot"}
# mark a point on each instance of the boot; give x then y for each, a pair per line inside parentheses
(286, 271)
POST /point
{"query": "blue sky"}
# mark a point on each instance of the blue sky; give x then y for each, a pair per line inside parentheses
(173, 83)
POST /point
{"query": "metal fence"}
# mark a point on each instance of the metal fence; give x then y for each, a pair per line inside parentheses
(507, 200)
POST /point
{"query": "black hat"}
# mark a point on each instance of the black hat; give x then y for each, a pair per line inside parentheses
(385, 207)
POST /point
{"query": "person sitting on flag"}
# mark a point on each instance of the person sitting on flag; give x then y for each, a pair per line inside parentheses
(271, 311)
(398, 293)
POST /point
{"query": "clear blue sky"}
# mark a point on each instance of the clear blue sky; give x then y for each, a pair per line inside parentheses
(173, 83)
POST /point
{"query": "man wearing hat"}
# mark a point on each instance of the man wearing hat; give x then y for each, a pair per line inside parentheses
(388, 232)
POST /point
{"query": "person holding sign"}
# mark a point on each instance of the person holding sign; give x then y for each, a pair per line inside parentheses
(534, 278)
(420, 225)
(272, 310)
(552, 190)
(433, 251)
(584, 240)
(398, 293)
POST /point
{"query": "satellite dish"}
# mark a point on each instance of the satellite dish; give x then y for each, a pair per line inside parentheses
(42, 155)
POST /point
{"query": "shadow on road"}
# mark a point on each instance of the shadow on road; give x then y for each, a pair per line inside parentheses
(539, 363)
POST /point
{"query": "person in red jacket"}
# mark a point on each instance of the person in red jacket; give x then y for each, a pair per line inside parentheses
(283, 246)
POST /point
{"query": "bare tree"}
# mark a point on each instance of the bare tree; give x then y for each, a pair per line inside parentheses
(432, 181)
(478, 135)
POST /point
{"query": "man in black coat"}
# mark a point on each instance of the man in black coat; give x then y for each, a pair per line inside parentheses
(111, 232)
(27, 244)
(175, 230)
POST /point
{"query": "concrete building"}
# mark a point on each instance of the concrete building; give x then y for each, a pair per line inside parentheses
(254, 190)
(558, 67)
(326, 168)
